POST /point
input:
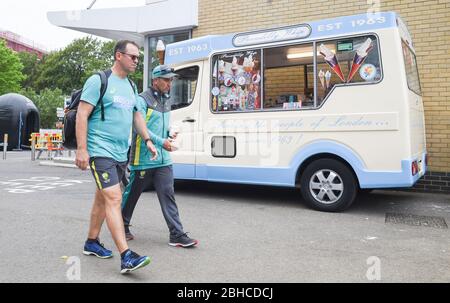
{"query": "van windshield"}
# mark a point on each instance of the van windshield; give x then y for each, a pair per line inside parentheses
(412, 73)
(183, 87)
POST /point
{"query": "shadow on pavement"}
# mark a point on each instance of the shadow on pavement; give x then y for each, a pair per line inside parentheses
(377, 201)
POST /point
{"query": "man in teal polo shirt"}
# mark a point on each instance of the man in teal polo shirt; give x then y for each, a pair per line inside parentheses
(103, 144)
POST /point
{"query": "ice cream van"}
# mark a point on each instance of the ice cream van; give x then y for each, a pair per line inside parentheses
(331, 107)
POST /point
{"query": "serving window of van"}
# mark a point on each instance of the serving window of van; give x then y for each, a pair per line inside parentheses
(346, 61)
(290, 77)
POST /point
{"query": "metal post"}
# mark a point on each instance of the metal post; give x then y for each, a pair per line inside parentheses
(33, 147)
(19, 146)
(5, 145)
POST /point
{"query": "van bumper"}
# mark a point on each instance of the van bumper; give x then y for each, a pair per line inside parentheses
(403, 178)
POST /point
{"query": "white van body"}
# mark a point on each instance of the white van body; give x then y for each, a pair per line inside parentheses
(362, 135)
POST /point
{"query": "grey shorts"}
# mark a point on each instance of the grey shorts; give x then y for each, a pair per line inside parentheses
(107, 172)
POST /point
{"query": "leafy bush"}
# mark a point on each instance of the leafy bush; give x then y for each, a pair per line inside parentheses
(47, 102)
(10, 70)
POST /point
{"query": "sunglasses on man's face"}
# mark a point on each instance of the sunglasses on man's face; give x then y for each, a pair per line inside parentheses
(132, 57)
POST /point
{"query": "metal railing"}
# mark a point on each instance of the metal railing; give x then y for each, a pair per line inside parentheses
(50, 142)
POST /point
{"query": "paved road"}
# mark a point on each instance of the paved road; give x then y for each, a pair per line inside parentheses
(246, 233)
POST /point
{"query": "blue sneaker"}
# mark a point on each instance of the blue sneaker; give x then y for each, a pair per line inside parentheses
(97, 249)
(132, 261)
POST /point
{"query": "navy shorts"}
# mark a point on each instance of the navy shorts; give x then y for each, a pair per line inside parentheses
(107, 172)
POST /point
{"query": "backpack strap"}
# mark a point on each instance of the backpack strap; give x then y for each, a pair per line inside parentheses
(149, 98)
(104, 75)
(132, 85)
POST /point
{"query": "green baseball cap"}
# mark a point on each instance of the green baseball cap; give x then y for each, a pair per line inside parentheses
(163, 71)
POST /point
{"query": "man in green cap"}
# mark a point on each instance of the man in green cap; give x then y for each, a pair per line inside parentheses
(156, 108)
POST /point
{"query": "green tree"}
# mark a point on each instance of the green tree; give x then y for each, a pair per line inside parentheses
(69, 68)
(47, 102)
(30, 62)
(10, 70)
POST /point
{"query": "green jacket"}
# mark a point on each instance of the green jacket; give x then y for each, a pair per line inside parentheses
(156, 111)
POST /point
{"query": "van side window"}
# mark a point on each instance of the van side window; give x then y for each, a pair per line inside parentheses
(236, 81)
(412, 73)
(183, 87)
(288, 77)
(346, 61)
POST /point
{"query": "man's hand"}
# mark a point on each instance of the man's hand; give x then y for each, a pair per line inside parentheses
(167, 145)
(82, 159)
(151, 147)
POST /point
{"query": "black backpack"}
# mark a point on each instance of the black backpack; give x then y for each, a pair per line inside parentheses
(70, 116)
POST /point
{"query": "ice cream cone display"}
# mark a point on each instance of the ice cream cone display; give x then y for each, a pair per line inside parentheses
(248, 64)
(322, 78)
(239, 82)
(360, 55)
(234, 65)
(256, 65)
(160, 50)
(243, 99)
(221, 66)
(223, 90)
(328, 78)
(332, 61)
(215, 103)
(228, 81)
(215, 71)
(221, 71)
(248, 67)
(257, 99)
(256, 78)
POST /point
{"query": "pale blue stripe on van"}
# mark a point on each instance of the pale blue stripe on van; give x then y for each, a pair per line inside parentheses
(202, 47)
(285, 176)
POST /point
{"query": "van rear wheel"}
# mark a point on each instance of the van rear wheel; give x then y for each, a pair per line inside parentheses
(328, 185)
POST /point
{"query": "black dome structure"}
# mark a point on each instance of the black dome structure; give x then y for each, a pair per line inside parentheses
(19, 117)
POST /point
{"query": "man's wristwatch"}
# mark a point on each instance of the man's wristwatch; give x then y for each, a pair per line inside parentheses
(146, 140)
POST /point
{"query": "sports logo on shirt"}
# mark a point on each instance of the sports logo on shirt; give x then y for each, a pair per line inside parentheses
(123, 102)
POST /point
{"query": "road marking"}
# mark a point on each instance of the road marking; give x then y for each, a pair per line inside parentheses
(42, 183)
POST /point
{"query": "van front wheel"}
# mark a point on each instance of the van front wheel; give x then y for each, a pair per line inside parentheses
(328, 185)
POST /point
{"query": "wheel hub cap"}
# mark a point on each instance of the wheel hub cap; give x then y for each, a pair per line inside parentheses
(326, 186)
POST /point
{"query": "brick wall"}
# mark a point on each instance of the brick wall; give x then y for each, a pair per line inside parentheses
(281, 81)
(434, 182)
(428, 22)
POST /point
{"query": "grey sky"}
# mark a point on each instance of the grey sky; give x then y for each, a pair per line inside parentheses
(28, 18)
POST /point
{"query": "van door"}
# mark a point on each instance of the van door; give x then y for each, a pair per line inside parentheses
(185, 96)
